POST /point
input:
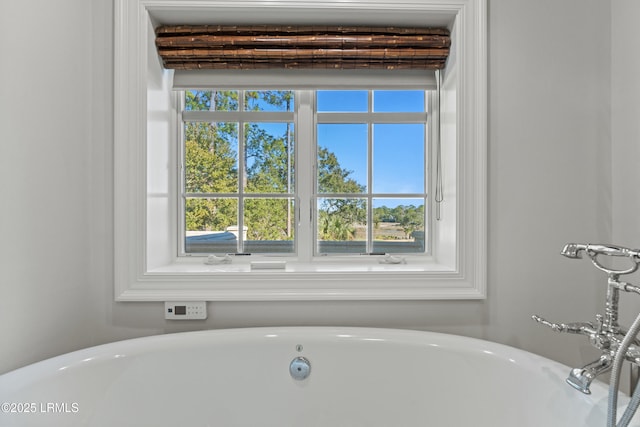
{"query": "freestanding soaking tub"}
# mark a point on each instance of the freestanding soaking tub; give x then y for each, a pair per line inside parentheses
(303, 377)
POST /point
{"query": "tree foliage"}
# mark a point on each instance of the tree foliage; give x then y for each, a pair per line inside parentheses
(210, 163)
(409, 218)
(338, 216)
(211, 166)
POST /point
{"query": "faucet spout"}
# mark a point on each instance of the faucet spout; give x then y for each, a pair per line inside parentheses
(581, 378)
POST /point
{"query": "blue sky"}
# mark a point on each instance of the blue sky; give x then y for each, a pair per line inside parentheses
(398, 149)
(398, 154)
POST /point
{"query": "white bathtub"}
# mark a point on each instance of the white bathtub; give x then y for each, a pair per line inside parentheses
(241, 377)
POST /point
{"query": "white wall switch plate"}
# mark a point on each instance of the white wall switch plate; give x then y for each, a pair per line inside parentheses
(185, 310)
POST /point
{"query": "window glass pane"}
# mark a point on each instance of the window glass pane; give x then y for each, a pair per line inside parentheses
(211, 157)
(342, 158)
(211, 100)
(398, 101)
(398, 225)
(398, 158)
(269, 225)
(211, 225)
(269, 100)
(269, 158)
(342, 225)
(342, 101)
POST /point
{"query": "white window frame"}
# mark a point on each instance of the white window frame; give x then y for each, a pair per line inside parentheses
(146, 264)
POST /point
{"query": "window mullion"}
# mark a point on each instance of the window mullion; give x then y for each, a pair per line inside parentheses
(370, 175)
(181, 202)
(242, 173)
(305, 175)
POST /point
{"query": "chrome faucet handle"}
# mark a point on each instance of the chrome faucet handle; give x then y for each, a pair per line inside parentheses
(582, 328)
(599, 323)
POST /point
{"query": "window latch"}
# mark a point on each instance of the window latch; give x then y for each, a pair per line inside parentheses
(215, 260)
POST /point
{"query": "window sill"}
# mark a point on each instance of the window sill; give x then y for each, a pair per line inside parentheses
(189, 280)
(191, 266)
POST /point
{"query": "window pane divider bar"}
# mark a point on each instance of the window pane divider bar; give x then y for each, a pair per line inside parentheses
(242, 174)
(371, 119)
(235, 116)
(237, 195)
(400, 118)
(371, 195)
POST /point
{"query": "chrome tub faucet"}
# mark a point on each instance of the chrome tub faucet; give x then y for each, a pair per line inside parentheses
(606, 334)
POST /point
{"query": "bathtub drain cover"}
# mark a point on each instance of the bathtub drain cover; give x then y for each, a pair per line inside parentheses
(300, 368)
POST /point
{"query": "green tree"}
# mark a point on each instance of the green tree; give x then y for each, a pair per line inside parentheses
(266, 160)
(266, 219)
(410, 218)
(210, 163)
(212, 100)
(338, 216)
(269, 163)
(334, 227)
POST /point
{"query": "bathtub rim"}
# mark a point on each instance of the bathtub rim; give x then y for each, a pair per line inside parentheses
(147, 344)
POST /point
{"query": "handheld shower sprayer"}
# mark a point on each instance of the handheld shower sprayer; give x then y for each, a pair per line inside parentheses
(574, 251)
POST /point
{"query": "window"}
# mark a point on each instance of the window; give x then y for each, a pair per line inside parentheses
(238, 176)
(149, 265)
(368, 167)
(371, 171)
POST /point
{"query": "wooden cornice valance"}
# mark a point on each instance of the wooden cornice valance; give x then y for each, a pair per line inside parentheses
(189, 47)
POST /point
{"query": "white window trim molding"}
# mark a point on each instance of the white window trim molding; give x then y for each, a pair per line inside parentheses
(463, 278)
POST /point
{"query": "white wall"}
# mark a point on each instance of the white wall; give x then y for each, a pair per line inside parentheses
(625, 136)
(45, 141)
(550, 167)
(550, 182)
(626, 121)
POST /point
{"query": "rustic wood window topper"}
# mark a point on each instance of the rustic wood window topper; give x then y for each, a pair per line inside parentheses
(188, 47)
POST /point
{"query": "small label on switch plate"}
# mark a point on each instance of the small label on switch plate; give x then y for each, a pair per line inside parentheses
(185, 310)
